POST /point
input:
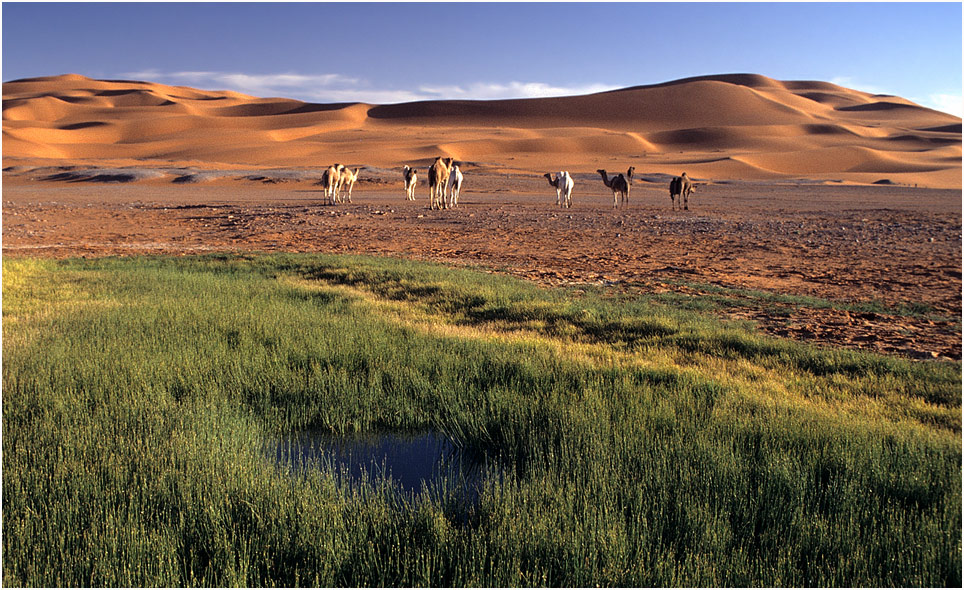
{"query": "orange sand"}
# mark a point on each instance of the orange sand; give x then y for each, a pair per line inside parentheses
(734, 127)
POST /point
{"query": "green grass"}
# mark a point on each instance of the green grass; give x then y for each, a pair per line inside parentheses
(640, 444)
(708, 297)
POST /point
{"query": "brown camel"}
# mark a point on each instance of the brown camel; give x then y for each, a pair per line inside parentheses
(438, 178)
(682, 187)
(619, 184)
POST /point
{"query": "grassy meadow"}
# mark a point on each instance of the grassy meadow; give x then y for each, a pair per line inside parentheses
(639, 444)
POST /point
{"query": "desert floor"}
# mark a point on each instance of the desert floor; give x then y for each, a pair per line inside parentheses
(896, 245)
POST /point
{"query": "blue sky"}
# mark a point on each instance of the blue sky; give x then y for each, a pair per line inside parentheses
(395, 52)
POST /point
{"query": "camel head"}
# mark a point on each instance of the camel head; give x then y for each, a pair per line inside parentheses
(549, 178)
(629, 173)
(605, 177)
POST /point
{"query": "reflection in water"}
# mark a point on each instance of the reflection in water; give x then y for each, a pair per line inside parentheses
(410, 461)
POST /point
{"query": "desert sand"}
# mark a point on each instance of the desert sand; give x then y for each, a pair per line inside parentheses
(805, 188)
(744, 127)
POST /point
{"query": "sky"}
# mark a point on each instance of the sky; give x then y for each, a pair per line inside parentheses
(398, 52)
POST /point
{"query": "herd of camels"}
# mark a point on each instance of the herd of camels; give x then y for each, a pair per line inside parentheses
(445, 184)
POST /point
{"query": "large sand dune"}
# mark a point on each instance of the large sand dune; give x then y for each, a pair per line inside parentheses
(725, 127)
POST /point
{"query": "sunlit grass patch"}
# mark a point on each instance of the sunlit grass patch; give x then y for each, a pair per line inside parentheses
(636, 444)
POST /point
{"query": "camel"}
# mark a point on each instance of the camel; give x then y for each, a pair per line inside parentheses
(454, 187)
(438, 177)
(330, 180)
(563, 185)
(411, 180)
(619, 184)
(681, 187)
(347, 182)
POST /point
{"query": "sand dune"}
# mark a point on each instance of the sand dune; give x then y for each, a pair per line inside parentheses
(726, 127)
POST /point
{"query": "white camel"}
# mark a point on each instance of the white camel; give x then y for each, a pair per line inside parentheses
(563, 184)
(347, 182)
(331, 180)
(454, 187)
(411, 180)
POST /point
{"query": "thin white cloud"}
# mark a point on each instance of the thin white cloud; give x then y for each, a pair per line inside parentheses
(511, 90)
(338, 88)
(258, 85)
(848, 82)
(368, 95)
(947, 103)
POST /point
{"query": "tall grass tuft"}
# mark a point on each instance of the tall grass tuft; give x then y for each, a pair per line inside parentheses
(630, 443)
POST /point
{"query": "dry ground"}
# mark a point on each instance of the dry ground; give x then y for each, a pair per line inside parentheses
(896, 247)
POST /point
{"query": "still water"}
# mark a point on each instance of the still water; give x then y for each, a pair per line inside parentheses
(410, 461)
